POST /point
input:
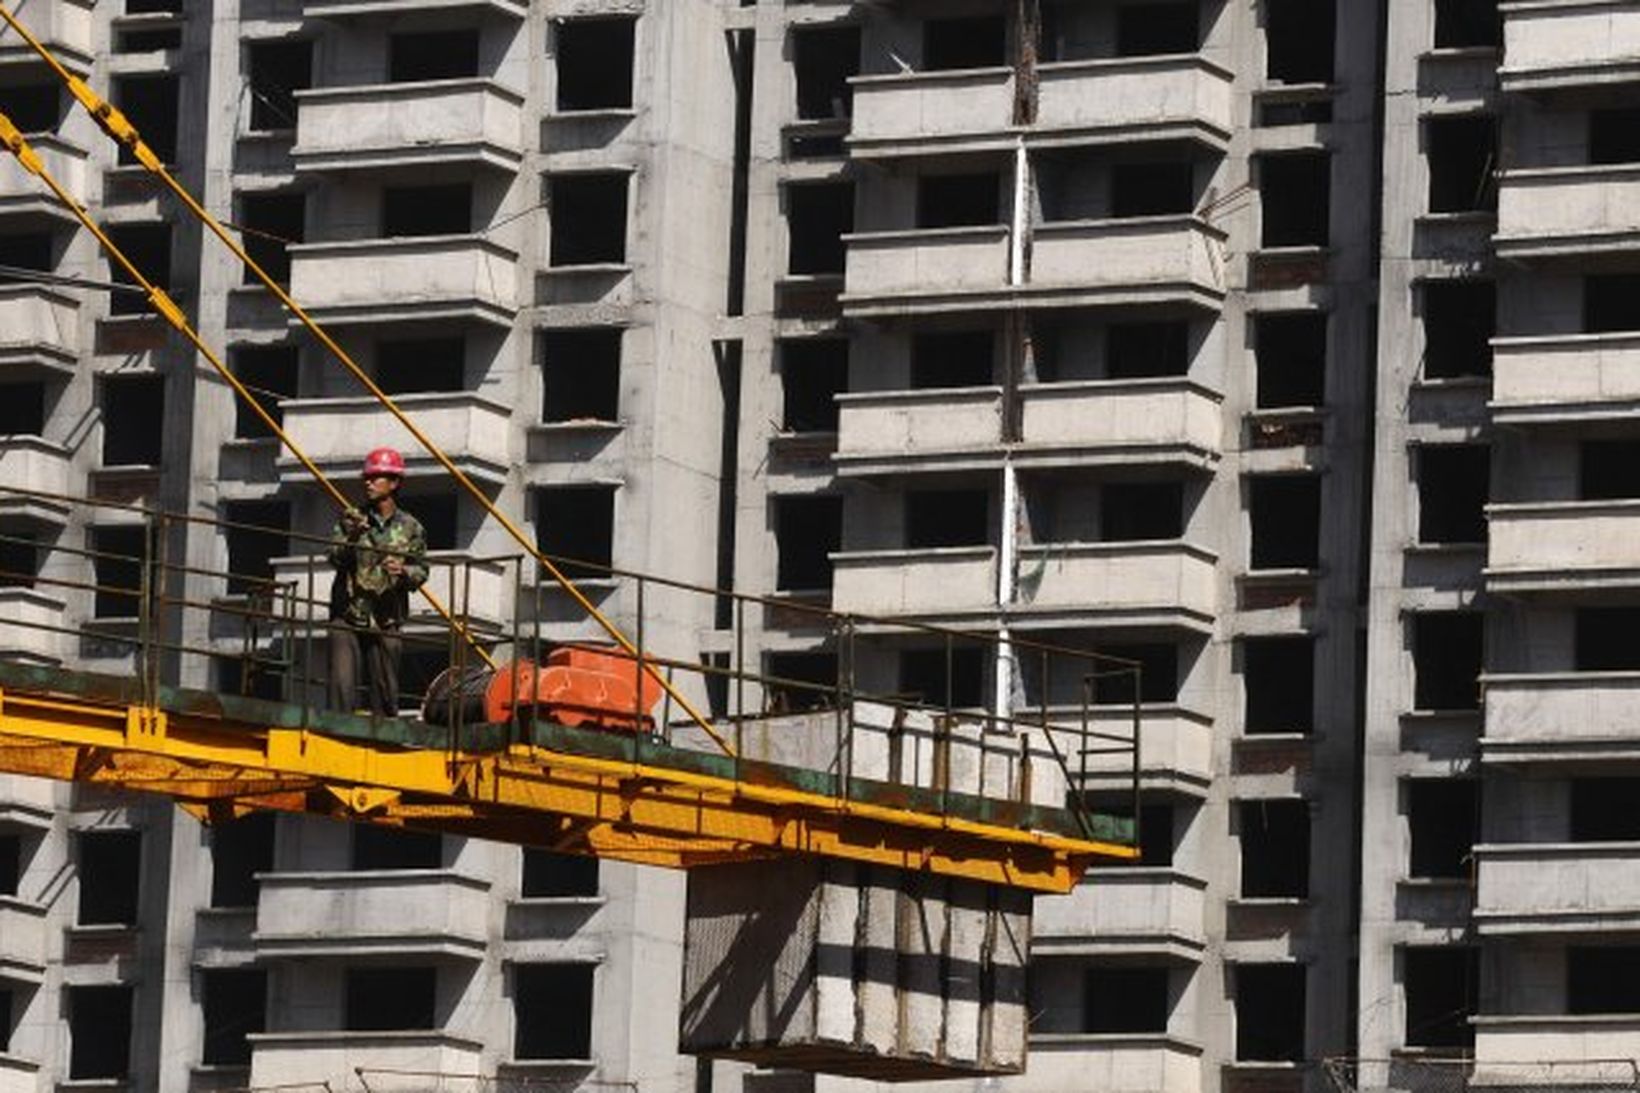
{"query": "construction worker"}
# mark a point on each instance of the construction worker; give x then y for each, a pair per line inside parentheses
(380, 555)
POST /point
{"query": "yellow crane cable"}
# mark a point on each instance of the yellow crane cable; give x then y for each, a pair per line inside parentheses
(167, 308)
(119, 128)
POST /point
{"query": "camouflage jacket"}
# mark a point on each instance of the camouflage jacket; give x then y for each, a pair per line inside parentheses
(364, 593)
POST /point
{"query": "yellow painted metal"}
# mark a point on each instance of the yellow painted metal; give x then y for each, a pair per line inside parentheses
(611, 808)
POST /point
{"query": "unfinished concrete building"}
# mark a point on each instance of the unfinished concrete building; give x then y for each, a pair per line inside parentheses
(1278, 345)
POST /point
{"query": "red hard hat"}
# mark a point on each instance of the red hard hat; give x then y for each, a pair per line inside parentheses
(384, 461)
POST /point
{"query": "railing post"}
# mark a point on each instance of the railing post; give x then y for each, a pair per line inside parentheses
(839, 729)
(637, 681)
(518, 594)
(740, 683)
(1138, 698)
(307, 652)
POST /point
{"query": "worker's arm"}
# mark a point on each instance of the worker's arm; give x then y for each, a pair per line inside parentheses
(414, 572)
(349, 526)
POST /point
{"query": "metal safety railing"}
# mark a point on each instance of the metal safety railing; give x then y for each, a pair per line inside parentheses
(886, 699)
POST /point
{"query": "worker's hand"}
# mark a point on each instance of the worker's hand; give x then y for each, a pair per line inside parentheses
(394, 566)
(353, 523)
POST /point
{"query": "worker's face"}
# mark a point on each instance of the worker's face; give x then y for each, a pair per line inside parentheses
(378, 486)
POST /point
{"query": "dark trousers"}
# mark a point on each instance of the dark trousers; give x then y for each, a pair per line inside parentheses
(379, 653)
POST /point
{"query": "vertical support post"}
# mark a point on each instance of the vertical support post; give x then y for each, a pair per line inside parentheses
(145, 622)
(839, 729)
(740, 683)
(307, 650)
(637, 682)
(1024, 768)
(514, 714)
(1138, 696)
(455, 658)
(942, 734)
(848, 685)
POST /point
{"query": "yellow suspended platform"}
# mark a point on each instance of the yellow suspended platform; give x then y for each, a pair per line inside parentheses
(614, 795)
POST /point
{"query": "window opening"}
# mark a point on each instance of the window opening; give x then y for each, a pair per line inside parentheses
(808, 530)
(952, 358)
(1608, 302)
(271, 223)
(1603, 639)
(1150, 350)
(1299, 40)
(133, 409)
(813, 681)
(1463, 153)
(970, 42)
(588, 214)
(270, 374)
(558, 876)
(235, 1005)
(1278, 680)
(595, 63)
(1152, 189)
(577, 523)
(581, 374)
(1460, 24)
(99, 1033)
(1291, 353)
(152, 105)
(1141, 511)
(409, 211)
(1124, 1000)
(552, 1011)
(813, 372)
(240, 849)
(148, 246)
(263, 534)
(818, 216)
(109, 872)
(432, 55)
(947, 518)
(1460, 318)
(1286, 521)
(1446, 656)
(1454, 482)
(33, 108)
(117, 566)
(958, 201)
(1442, 816)
(389, 999)
(1295, 195)
(422, 365)
(22, 409)
(276, 71)
(1441, 985)
(1144, 30)
(1602, 810)
(386, 848)
(924, 678)
(823, 59)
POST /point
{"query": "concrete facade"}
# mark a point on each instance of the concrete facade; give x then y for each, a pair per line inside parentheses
(1167, 336)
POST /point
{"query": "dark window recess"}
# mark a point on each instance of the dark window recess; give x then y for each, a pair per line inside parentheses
(1443, 816)
(1608, 470)
(154, 7)
(1152, 189)
(823, 59)
(1602, 979)
(557, 876)
(258, 532)
(1460, 318)
(133, 412)
(270, 373)
(1462, 153)
(1454, 482)
(1603, 639)
(577, 523)
(1117, 1000)
(1148, 29)
(818, 216)
(427, 210)
(1155, 829)
(802, 145)
(31, 252)
(148, 246)
(1278, 678)
(439, 514)
(151, 104)
(277, 70)
(1158, 674)
(33, 108)
(552, 1011)
(418, 669)
(19, 559)
(240, 849)
(1299, 40)
(925, 678)
(389, 999)
(1270, 1015)
(594, 59)
(581, 374)
(947, 518)
(588, 214)
(973, 42)
(6, 1011)
(432, 55)
(421, 365)
(958, 201)
(807, 531)
(147, 41)
(813, 372)
(1140, 511)
(1463, 23)
(1147, 350)
(99, 1033)
(269, 224)
(1285, 515)
(1446, 657)
(1614, 135)
(1295, 196)
(235, 1004)
(1608, 302)
(1442, 986)
(110, 868)
(1602, 810)
(11, 862)
(953, 358)
(1291, 353)
(809, 681)
(22, 409)
(1275, 849)
(1306, 111)
(249, 676)
(380, 848)
(118, 554)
